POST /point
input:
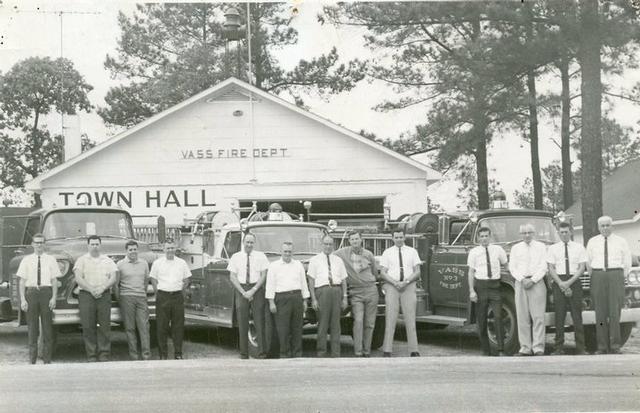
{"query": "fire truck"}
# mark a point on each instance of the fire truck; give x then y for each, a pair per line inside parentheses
(443, 242)
(66, 231)
(208, 242)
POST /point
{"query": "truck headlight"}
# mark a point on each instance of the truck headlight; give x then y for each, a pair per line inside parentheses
(64, 266)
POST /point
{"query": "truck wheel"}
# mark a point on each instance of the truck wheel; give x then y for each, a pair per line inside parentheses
(591, 341)
(509, 324)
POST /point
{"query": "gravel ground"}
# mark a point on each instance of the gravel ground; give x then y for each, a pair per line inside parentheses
(221, 343)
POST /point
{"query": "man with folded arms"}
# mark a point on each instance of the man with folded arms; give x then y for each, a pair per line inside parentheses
(328, 289)
(609, 262)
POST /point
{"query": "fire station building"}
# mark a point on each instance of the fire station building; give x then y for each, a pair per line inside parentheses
(229, 146)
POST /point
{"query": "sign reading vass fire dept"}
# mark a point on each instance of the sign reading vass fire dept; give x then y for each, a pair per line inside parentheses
(233, 153)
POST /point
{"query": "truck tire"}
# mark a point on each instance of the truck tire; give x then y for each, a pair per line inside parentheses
(590, 339)
(509, 324)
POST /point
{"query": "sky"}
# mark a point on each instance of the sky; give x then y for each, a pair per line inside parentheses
(90, 31)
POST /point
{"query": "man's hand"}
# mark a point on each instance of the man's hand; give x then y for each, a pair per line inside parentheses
(314, 304)
(527, 283)
(272, 307)
(473, 297)
(304, 306)
(52, 303)
(568, 292)
(248, 295)
(23, 305)
(345, 303)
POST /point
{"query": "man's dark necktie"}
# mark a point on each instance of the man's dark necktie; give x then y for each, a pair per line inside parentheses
(606, 253)
(567, 271)
(248, 278)
(329, 269)
(39, 271)
(401, 264)
(486, 250)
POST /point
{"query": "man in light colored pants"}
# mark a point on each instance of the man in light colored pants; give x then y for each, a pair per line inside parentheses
(528, 265)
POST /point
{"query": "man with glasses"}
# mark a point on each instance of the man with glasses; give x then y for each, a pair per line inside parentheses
(95, 274)
(328, 289)
(528, 265)
(38, 273)
(133, 277)
(287, 291)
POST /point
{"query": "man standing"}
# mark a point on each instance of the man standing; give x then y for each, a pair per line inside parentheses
(362, 271)
(528, 265)
(38, 273)
(95, 274)
(286, 291)
(567, 261)
(133, 277)
(609, 262)
(400, 266)
(248, 271)
(328, 288)
(484, 263)
(170, 279)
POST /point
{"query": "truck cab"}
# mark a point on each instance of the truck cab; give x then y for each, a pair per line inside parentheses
(66, 231)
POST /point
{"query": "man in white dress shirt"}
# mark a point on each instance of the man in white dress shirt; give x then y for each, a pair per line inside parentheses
(528, 265)
(287, 291)
(170, 278)
(328, 289)
(567, 261)
(248, 273)
(484, 263)
(400, 268)
(609, 262)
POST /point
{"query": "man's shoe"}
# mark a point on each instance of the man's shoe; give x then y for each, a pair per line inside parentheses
(521, 354)
(322, 354)
(599, 352)
(414, 354)
(179, 357)
(558, 352)
(92, 359)
(32, 361)
(615, 351)
(386, 354)
(358, 354)
(366, 355)
(163, 356)
(539, 353)
(261, 356)
(501, 354)
(244, 357)
(580, 353)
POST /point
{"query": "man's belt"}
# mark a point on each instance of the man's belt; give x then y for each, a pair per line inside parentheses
(607, 269)
(38, 288)
(170, 292)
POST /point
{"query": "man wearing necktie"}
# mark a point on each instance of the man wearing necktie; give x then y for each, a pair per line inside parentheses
(38, 273)
(484, 287)
(567, 261)
(528, 265)
(609, 262)
(328, 288)
(400, 269)
(248, 272)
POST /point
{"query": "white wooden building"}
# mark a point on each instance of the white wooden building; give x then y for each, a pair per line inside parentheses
(228, 146)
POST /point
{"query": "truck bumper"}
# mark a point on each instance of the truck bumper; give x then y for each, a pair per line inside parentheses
(628, 315)
(72, 316)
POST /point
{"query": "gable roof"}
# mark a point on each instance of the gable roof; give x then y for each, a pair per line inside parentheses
(222, 90)
(620, 196)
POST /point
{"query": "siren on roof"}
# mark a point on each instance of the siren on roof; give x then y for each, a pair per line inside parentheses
(499, 201)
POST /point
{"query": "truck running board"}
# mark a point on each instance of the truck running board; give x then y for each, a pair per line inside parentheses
(442, 319)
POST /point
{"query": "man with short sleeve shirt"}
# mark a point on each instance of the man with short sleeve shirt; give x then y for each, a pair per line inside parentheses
(484, 263)
(328, 289)
(400, 266)
(528, 265)
(133, 277)
(170, 279)
(286, 291)
(609, 262)
(363, 292)
(38, 273)
(567, 262)
(248, 272)
(95, 274)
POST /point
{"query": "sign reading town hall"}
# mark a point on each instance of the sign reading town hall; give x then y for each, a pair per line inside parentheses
(149, 198)
(233, 153)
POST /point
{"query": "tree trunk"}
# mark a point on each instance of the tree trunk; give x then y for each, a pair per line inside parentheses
(590, 139)
(565, 137)
(482, 170)
(533, 139)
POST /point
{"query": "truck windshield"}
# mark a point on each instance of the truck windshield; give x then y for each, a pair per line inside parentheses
(73, 224)
(507, 229)
(304, 239)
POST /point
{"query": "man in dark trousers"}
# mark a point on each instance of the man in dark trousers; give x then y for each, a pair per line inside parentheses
(484, 263)
(38, 273)
(286, 291)
(567, 262)
(248, 272)
(609, 262)
(170, 278)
